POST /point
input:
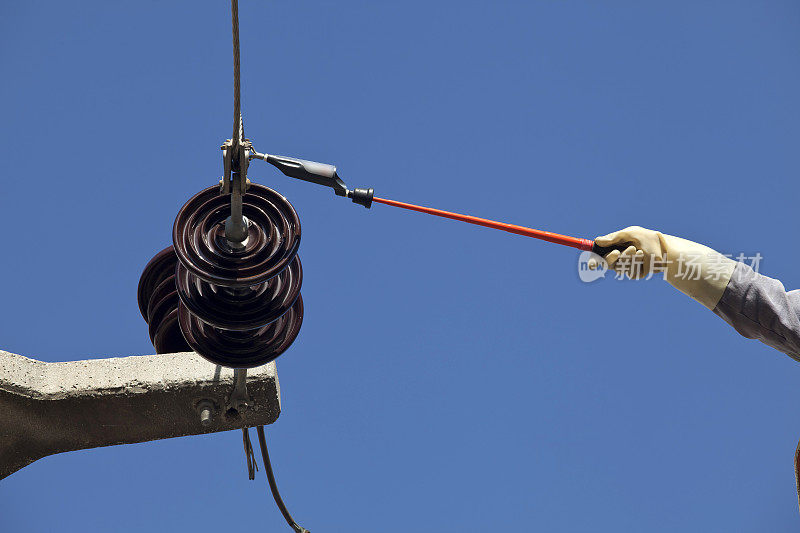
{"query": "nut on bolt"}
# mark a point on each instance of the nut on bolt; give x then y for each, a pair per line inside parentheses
(206, 410)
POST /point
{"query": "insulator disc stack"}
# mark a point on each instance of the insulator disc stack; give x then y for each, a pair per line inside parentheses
(158, 302)
(238, 307)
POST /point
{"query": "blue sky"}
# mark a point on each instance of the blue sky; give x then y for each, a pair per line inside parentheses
(447, 377)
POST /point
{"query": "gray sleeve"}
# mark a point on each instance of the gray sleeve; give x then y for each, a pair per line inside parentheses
(760, 308)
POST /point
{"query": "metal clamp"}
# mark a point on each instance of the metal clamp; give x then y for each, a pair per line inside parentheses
(239, 399)
(319, 173)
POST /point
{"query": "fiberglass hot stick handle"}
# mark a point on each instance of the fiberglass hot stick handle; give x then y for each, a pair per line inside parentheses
(564, 240)
(324, 174)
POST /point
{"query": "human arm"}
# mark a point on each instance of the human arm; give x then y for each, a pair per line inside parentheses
(757, 306)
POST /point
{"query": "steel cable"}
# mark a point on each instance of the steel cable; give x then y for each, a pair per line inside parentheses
(238, 136)
(237, 106)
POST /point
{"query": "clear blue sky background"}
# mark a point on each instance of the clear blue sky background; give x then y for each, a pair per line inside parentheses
(447, 377)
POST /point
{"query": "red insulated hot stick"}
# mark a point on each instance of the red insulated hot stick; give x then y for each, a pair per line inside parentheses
(324, 174)
(564, 240)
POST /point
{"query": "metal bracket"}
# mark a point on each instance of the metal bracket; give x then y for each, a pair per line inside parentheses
(239, 400)
(225, 183)
(236, 159)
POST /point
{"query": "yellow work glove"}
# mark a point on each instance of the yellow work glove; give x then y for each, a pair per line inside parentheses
(694, 269)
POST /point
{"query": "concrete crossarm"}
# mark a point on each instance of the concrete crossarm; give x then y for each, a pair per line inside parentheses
(48, 408)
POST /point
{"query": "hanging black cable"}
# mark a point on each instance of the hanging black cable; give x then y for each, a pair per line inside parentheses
(252, 465)
(262, 440)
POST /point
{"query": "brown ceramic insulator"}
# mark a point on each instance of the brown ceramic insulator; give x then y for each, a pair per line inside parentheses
(158, 303)
(244, 308)
(238, 307)
(272, 239)
(242, 349)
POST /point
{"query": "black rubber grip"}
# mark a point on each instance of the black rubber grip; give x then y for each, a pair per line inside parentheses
(603, 251)
(319, 173)
(363, 197)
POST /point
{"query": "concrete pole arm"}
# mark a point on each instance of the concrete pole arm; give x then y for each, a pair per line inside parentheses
(48, 408)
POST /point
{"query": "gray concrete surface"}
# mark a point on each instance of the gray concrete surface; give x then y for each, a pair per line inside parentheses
(48, 408)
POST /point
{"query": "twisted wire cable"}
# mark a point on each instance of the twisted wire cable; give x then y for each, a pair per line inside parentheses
(237, 109)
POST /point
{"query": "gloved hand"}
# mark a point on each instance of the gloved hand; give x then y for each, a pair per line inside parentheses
(694, 269)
